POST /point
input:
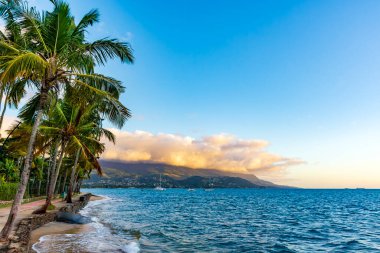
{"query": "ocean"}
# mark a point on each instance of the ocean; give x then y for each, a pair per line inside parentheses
(226, 220)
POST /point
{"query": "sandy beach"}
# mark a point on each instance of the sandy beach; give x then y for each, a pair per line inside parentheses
(56, 227)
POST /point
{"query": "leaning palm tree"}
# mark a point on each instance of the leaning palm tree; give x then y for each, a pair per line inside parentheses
(55, 55)
(89, 154)
(88, 149)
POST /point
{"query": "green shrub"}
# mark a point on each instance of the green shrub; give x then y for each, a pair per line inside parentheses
(51, 207)
(8, 190)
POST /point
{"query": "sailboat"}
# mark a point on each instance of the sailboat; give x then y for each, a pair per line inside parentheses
(210, 187)
(160, 188)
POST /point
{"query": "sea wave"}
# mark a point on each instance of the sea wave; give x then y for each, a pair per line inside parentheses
(226, 220)
(98, 238)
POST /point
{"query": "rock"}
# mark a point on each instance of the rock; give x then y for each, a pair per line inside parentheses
(72, 218)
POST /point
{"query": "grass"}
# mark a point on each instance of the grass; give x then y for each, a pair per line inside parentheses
(2, 205)
(7, 190)
(51, 207)
(9, 202)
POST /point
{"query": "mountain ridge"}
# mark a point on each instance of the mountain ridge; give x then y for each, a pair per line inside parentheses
(139, 174)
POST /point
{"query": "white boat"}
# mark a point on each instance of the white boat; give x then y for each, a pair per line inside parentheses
(160, 188)
(190, 189)
(210, 187)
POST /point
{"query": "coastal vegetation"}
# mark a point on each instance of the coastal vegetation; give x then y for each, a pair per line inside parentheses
(47, 60)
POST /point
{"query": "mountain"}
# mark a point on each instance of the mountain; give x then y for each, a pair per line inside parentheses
(124, 174)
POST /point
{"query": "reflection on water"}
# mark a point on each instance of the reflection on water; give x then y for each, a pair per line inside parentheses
(227, 220)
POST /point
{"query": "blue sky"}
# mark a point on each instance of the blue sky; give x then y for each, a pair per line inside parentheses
(303, 75)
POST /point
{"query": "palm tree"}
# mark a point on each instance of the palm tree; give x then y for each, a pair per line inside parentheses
(76, 128)
(88, 153)
(54, 55)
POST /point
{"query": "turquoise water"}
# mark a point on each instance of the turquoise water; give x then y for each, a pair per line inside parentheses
(227, 220)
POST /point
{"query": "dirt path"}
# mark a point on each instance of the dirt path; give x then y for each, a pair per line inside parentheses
(25, 210)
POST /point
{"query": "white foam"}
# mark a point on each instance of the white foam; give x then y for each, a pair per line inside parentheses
(105, 242)
(93, 203)
(132, 247)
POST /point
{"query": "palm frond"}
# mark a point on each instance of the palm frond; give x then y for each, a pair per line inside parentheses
(105, 49)
(22, 65)
(17, 92)
(60, 116)
(7, 47)
(101, 82)
(108, 134)
(28, 111)
(58, 27)
(87, 20)
(31, 21)
(116, 112)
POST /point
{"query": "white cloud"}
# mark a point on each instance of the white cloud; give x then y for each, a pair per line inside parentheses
(222, 151)
(7, 123)
(2, 26)
(128, 37)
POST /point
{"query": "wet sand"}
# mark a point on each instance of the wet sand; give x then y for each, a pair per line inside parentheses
(61, 227)
(56, 227)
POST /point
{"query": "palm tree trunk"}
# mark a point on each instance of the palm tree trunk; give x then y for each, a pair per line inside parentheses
(42, 171)
(75, 185)
(54, 177)
(26, 170)
(72, 178)
(1, 94)
(53, 165)
(80, 185)
(4, 109)
(64, 183)
(39, 188)
(52, 153)
(58, 184)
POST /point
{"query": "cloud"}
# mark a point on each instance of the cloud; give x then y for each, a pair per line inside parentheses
(223, 152)
(128, 36)
(2, 26)
(9, 120)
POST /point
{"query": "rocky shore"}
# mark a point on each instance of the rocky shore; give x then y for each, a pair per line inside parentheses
(20, 241)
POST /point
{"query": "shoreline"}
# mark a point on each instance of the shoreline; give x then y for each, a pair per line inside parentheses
(27, 222)
(57, 227)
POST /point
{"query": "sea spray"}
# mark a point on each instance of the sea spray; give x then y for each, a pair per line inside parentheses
(132, 247)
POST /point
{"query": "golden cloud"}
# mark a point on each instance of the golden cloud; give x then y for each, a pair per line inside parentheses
(7, 123)
(223, 152)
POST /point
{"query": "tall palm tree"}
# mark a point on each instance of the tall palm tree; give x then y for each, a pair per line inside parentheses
(55, 55)
(76, 128)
